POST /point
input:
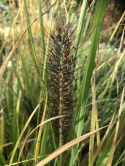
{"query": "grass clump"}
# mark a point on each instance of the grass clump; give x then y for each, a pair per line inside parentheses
(75, 79)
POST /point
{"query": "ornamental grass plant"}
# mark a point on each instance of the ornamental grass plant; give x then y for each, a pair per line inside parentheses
(62, 96)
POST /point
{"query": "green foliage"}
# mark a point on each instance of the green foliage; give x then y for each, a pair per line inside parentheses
(57, 81)
(5, 13)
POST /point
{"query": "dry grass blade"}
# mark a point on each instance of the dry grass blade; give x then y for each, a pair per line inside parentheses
(116, 27)
(93, 121)
(1, 130)
(41, 124)
(119, 160)
(103, 139)
(67, 146)
(40, 131)
(22, 132)
(110, 159)
(122, 40)
(106, 62)
(3, 68)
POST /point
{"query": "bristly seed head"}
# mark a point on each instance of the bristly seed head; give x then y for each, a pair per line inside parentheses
(60, 71)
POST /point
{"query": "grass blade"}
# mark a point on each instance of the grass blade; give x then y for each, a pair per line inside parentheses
(22, 132)
(110, 159)
(93, 123)
(1, 130)
(100, 9)
(2, 159)
(40, 132)
(101, 6)
(41, 124)
(4, 65)
(67, 146)
(31, 38)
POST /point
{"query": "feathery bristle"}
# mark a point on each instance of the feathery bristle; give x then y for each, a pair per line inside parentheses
(60, 70)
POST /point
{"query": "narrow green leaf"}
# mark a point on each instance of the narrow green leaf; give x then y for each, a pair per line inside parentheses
(22, 132)
(100, 9)
(41, 29)
(2, 159)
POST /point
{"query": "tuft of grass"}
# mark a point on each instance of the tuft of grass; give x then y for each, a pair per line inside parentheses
(75, 75)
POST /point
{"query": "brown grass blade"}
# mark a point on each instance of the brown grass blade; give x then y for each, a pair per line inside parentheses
(40, 131)
(110, 159)
(103, 139)
(41, 124)
(67, 146)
